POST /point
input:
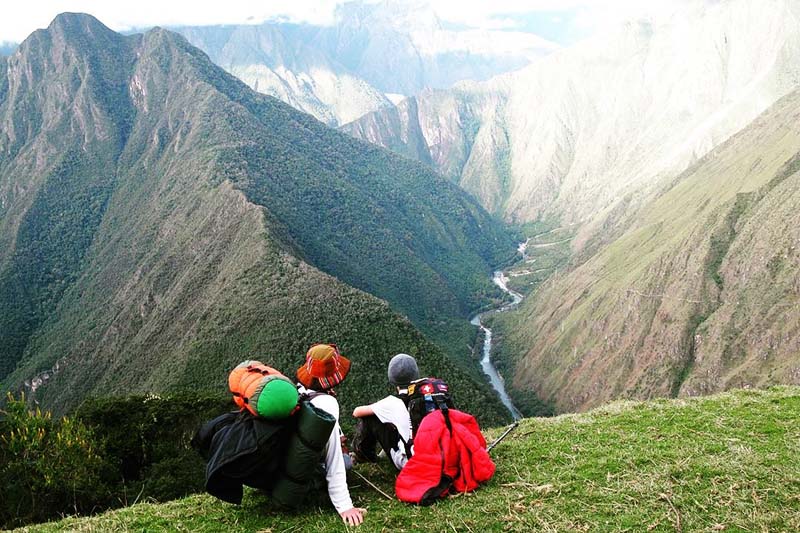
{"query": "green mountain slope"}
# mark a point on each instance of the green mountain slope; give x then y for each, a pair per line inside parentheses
(159, 222)
(722, 463)
(696, 292)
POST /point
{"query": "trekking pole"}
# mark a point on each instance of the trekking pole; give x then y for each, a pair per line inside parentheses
(508, 430)
(374, 486)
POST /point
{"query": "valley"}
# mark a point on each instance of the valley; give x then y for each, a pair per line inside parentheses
(625, 265)
(192, 223)
(497, 382)
(597, 239)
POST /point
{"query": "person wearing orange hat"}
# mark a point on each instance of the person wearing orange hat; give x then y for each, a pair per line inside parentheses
(324, 369)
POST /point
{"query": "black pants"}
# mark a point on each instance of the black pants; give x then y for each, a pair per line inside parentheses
(370, 432)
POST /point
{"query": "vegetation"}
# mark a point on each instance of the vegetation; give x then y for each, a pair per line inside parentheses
(47, 467)
(52, 240)
(111, 452)
(717, 243)
(722, 463)
(193, 223)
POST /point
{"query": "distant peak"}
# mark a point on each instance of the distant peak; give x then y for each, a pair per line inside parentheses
(76, 22)
(77, 30)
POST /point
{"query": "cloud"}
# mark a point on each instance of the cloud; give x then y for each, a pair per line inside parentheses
(25, 17)
(591, 14)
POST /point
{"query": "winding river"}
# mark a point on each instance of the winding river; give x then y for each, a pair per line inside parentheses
(497, 381)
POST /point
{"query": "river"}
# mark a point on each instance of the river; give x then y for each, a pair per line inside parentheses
(496, 379)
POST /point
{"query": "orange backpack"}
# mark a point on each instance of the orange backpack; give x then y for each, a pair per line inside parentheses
(262, 390)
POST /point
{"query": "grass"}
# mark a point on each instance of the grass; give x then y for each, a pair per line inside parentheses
(729, 462)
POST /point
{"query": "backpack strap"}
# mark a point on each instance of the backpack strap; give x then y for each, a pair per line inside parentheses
(442, 405)
(310, 394)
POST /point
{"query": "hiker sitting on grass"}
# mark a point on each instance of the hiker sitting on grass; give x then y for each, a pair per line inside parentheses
(387, 421)
(324, 369)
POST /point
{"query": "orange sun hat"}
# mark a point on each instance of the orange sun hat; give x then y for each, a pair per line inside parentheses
(325, 364)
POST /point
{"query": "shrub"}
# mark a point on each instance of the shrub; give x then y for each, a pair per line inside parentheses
(47, 467)
(146, 442)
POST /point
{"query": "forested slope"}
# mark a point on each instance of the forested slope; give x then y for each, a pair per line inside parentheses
(159, 222)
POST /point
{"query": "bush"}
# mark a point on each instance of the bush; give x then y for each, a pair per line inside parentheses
(47, 467)
(146, 441)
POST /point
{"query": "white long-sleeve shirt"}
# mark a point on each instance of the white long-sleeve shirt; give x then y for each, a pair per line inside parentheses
(335, 472)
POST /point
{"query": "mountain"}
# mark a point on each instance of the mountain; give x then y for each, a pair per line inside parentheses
(373, 50)
(590, 128)
(727, 462)
(699, 293)
(402, 47)
(279, 60)
(160, 222)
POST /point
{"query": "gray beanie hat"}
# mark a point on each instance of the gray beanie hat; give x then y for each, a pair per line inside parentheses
(403, 369)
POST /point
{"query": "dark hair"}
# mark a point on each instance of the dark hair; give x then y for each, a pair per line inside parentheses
(316, 386)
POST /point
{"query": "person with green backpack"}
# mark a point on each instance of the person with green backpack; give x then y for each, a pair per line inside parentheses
(284, 438)
(324, 369)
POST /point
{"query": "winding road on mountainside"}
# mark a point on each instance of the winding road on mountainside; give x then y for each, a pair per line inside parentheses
(496, 379)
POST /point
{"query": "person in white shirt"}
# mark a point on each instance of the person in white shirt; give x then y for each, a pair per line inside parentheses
(324, 369)
(387, 422)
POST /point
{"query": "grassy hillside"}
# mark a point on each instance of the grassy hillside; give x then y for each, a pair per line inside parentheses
(160, 222)
(722, 463)
(698, 293)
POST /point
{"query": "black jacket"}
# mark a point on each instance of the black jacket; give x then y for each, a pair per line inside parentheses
(281, 457)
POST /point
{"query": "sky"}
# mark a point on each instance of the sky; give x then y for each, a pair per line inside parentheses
(562, 21)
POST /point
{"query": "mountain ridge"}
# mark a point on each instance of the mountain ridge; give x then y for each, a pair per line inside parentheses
(172, 249)
(613, 114)
(696, 294)
(372, 50)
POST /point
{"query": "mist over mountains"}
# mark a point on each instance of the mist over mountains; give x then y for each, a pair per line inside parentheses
(338, 73)
(585, 128)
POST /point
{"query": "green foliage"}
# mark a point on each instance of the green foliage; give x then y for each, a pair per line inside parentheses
(47, 467)
(176, 237)
(378, 222)
(145, 439)
(111, 452)
(724, 463)
(51, 242)
(722, 237)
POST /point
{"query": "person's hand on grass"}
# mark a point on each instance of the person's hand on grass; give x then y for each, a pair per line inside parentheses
(354, 516)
